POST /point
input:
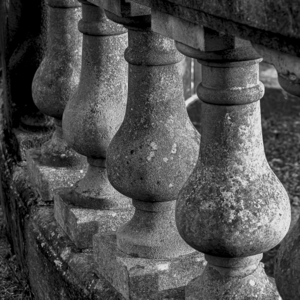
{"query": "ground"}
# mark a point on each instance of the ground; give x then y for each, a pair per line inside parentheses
(12, 286)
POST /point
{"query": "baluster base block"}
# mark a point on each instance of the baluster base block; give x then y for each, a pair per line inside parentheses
(81, 224)
(139, 278)
(46, 179)
(57, 269)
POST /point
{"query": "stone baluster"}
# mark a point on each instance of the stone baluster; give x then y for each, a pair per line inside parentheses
(155, 149)
(287, 264)
(57, 77)
(149, 159)
(233, 207)
(90, 121)
(97, 110)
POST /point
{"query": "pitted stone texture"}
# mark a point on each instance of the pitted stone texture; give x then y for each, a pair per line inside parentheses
(125, 9)
(46, 179)
(56, 153)
(57, 269)
(232, 192)
(155, 149)
(161, 150)
(287, 265)
(239, 18)
(95, 191)
(150, 233)
(81, 224)
(143, 279)
(211, 285)
(57, 77)
(93, 116)
(233, 206)
(287, 67)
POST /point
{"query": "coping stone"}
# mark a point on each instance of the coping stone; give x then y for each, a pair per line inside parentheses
(48, 178)
(80, 224)
(139, 278)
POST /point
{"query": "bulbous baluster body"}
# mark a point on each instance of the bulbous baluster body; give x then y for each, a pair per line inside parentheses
(155, 149)
(57, 78)
(232, 207)
(287, 262)
(96, 111)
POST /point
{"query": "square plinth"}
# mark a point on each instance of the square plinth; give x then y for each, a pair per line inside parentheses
(81, 224)
(140, 278)
(47, 178)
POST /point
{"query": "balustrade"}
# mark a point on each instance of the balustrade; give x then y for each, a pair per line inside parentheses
(220, 199)
(57, 77)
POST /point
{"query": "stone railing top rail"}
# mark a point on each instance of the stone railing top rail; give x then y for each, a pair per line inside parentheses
(273, 24)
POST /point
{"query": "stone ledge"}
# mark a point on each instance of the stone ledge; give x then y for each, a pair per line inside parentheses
(81, 224)
(46, 179)
(144, 279)
(57, 269)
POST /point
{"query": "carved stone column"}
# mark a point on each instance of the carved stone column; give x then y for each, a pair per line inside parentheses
(233, 207)
(97, 110)
(149, 159)
(287, 263)
(152, 165)
(90, 121)
(54, 164)
(57, 78)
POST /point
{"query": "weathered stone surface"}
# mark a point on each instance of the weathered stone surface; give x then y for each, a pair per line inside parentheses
(81, 224)
(57, 77)
(177, 29)
(46, 179)
(234, 287)
(233, 207)
(155, 149)
(141, 279)
(124, 8)
(287, 265)
(97, 109)
(273, 96)
(190, 32)
(273, 17)
(266, 31)
(287, 67)
(57, 269)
